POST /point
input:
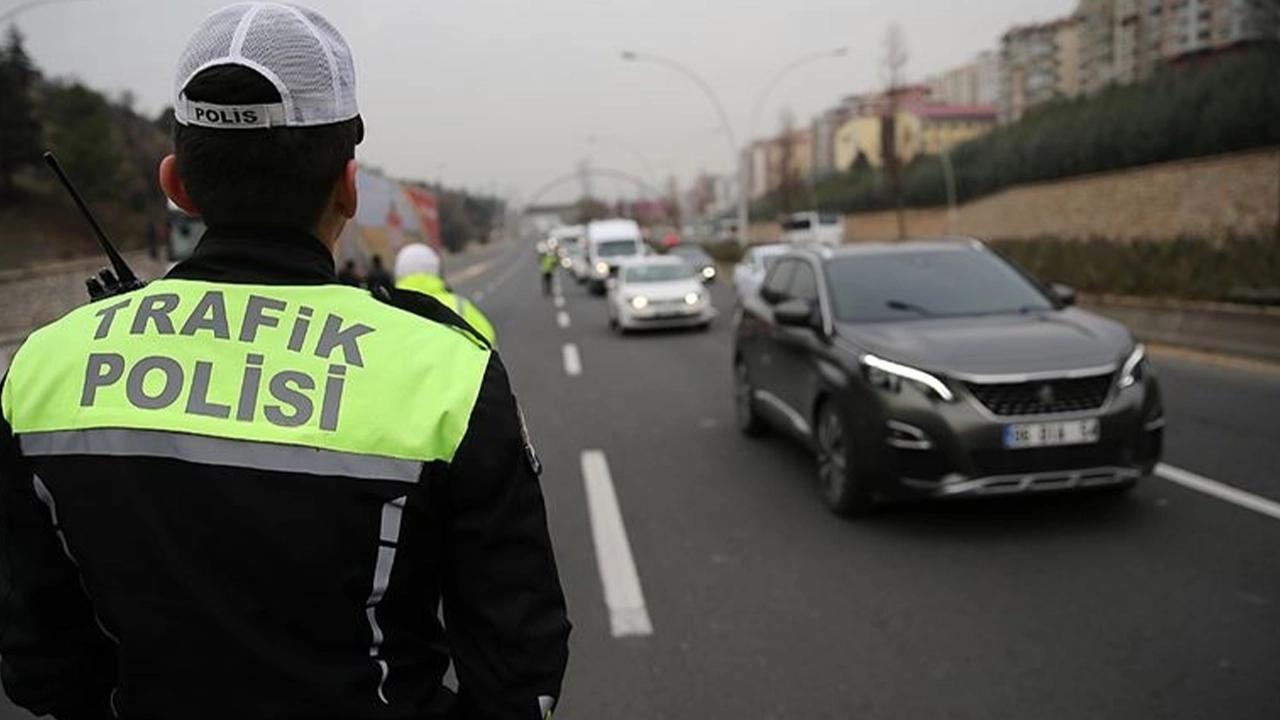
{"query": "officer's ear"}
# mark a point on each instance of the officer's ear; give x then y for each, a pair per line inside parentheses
(171, 183)
(346, 199)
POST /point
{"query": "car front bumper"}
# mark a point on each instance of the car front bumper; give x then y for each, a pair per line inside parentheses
(657, 317)
(929, 449)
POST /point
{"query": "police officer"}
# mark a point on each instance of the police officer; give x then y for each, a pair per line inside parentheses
(418, 269)
(547, 266)
(207, 511)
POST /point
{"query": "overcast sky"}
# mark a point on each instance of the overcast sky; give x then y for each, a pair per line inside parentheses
(505, 94)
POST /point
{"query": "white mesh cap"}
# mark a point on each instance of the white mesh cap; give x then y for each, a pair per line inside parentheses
(295, 48)
(417, 258)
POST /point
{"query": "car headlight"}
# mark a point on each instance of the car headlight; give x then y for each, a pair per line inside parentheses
(1134, 368)
(888, 375)
(692, 298)
(639, 302)
(566, 263)
(708, 272)
(602, 267)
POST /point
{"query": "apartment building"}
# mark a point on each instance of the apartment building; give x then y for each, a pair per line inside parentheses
(1123, 41)
(976, 82)
(1038, 63)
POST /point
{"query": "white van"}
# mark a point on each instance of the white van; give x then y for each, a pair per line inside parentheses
(813, 228)
(609, 242)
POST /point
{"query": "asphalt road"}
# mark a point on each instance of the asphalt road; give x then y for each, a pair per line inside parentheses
(761, 604)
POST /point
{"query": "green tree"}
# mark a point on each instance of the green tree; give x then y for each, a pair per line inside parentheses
(81, 129)
(19, 128)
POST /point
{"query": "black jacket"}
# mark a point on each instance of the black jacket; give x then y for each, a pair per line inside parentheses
(162, 587)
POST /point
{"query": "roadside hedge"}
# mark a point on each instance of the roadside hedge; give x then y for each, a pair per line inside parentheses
(1243, 270)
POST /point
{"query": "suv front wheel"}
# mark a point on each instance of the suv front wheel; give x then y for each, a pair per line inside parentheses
(744, 401)
(838, 476)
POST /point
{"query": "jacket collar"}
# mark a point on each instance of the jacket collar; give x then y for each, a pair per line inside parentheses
(423, 282)
(258, 254)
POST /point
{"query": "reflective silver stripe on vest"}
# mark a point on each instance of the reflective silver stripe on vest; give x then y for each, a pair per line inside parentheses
(388, 540)
(220, 451)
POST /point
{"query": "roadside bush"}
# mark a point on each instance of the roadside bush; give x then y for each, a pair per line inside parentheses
(1240, 270)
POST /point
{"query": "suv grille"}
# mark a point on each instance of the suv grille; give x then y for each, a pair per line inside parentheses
(1043, 397)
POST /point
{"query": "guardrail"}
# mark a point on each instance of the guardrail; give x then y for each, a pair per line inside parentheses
(1222, 328)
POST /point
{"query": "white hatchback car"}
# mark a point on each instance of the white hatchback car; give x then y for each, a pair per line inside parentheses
(748, 274)
(658, 292)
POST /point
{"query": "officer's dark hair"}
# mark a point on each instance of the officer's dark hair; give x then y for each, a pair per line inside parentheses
(276, 176)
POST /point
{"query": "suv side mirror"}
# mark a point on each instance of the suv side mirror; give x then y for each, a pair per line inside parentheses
(795, 313)
(770, 296)
(1064, 294)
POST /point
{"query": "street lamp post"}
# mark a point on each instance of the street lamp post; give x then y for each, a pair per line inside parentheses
(782, 74)
(629, 149)
(734, 157)
(737, 154)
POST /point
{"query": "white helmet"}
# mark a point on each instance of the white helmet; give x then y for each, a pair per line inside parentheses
(417, 258)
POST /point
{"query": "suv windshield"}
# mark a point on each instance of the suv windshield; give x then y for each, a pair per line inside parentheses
(657, 273)
(931, 283)
(616, 248)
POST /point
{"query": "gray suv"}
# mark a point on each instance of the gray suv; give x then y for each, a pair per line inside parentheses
(938, 369)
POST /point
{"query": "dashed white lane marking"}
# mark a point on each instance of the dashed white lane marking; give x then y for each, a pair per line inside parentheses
(559, 300)
(622, 594)
(1222, 491)
(562, 319)
(572, 360)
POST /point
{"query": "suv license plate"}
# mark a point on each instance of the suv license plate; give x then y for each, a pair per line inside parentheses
(1070, 432)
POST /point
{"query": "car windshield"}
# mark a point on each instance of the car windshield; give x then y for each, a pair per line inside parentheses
(933, 283)
(657, 273)
(616, 248)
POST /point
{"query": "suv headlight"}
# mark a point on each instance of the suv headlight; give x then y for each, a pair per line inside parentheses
(709, 272)
(888, 375)
(693, 298)
(602, 267)
(639, 302)
(1135, 367)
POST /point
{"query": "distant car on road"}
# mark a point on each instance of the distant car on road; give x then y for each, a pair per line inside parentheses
(570, 244)
(938, 369)
(697, 258)
(609, 242)
(749, 273)
(813, 228)
(658, 292)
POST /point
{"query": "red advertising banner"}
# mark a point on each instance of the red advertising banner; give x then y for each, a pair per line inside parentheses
(424, 202)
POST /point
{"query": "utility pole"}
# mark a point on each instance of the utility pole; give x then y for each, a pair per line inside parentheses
(895, 63)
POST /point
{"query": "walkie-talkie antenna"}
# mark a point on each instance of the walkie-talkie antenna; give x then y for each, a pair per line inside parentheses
(123, 272)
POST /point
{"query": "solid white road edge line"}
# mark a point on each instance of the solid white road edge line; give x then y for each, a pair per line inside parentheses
(562, 319)
(622, 594)
(559, 301)
(572, 360)
(1219, 490)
